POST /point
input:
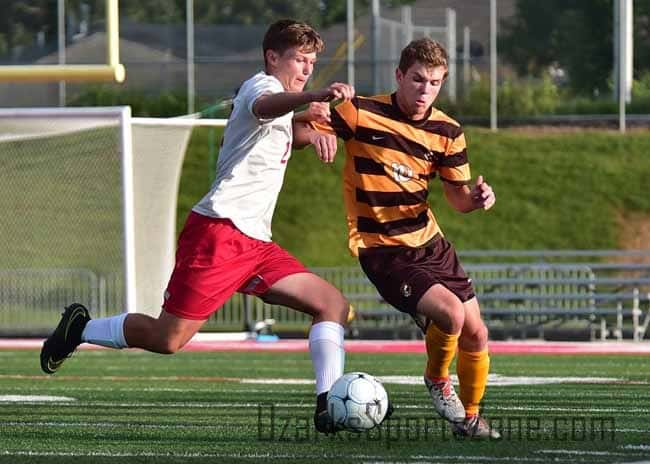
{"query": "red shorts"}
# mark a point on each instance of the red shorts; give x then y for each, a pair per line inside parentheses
(214, 260)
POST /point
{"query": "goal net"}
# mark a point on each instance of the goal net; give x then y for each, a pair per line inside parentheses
(89, 203)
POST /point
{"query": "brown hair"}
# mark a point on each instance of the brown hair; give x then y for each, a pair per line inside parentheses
(426, 51)
(288, 33)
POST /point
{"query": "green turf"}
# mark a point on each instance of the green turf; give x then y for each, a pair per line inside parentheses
(133, 406)
(554, 191)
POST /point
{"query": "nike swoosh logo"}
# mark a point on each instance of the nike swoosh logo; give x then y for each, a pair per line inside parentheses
(78, 312)
(375, 137)
(54, 365)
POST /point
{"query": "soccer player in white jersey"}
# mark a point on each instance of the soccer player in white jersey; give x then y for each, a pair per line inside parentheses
(225, 245)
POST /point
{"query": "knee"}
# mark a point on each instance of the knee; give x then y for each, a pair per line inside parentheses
(456, 320)
(475, 339)
(170, 345)
(480, 336)
(452, 318)
(334, 307)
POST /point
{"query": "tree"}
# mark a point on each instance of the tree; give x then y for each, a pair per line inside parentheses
(575, 34)
(23, 20)
(641, 38)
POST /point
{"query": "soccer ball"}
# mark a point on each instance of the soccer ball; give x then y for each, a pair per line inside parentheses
(357, 402)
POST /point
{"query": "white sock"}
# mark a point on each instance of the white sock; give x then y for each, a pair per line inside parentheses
(327, 353)
(108, 331)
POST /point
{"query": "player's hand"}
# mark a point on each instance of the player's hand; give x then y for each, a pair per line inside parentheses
(336, 91)
(325, 146)
(318, 112)
(482, 194)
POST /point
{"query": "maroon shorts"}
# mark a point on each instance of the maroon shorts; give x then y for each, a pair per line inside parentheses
(214, 260)
(402, 275)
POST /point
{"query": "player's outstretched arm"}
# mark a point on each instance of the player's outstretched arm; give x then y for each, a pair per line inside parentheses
(324, 144)
(466, 199)
(317, 112)
(277, 104)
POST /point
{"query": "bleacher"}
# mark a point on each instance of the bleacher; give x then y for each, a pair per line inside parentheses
(599, 300)
(552, 295)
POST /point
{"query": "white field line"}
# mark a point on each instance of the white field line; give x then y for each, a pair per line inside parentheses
(199, 404)
(150, 454)
(636, 447)
(34, 399)
(211, 427)
(498, 380)
(411, 459)
(463, 459)
(494, 380)
(116, 424)
(634, 431)
(429, 459)
(583, 395)
(278, 381)
(265, 392)
(184, 405)
(582, 452)
(574, 409)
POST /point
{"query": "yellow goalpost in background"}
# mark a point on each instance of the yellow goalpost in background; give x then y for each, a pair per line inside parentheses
(111, 71)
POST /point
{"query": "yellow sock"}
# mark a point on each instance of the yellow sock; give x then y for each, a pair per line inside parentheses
(472, 369)
(441, 348)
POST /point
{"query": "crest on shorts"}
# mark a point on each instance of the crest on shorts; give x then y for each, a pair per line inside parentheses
(405, 290)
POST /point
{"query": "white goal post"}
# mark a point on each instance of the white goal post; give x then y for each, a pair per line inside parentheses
(89, 197)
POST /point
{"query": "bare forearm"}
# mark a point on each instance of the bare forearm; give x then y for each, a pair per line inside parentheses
(466, 199)
(459, 197)
(279, 104)
(301, 134)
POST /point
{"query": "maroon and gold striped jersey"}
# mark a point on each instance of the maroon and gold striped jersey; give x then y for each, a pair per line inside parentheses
(389, 162)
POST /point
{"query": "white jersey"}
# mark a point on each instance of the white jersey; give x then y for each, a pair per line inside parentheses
(251, 164)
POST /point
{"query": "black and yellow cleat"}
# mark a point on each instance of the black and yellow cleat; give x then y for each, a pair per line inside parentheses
(65, 339)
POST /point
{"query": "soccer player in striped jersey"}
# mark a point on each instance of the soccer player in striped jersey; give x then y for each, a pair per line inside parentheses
(225, 245)
(395, 144)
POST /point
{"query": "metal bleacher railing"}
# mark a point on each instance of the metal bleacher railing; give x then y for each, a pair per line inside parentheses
(603, 294)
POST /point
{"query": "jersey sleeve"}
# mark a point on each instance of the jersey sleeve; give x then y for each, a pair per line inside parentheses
(453, 167)
(344, 120)
(265, 85)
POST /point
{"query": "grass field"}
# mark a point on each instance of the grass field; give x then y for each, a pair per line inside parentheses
(201, 407)
(554, 191)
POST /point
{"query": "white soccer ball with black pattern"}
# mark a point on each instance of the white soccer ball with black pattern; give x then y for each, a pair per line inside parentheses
(357, 402)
